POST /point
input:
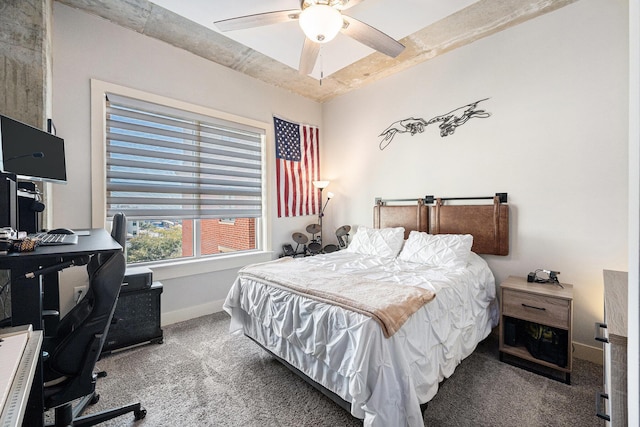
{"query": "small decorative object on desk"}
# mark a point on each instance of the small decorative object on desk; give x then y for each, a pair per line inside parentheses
(24, 245)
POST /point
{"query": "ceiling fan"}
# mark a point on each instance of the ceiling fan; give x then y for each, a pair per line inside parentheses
(321, 21)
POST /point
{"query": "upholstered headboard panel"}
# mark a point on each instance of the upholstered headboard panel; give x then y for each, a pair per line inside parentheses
(487, 223)
(411, 217)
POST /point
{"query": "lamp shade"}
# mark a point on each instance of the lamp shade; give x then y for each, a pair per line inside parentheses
(320, 184)
(320, 22)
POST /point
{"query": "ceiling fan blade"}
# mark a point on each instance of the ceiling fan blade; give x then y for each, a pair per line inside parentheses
(371, 37)
(257, 20)
(309, 55)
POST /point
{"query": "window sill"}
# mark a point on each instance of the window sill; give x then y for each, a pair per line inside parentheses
(193, 267)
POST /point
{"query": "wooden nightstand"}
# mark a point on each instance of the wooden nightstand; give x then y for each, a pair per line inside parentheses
(540, 303)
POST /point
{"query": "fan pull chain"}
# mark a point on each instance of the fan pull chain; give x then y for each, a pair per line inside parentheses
(321, 68)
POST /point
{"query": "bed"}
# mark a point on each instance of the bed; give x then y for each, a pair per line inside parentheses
(378, 326)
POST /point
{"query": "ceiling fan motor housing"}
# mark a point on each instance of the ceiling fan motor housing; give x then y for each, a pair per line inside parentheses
(320, 22)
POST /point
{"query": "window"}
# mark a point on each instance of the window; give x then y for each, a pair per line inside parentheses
(190, 184)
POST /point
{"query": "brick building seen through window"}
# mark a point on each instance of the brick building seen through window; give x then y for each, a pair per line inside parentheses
(220, 236)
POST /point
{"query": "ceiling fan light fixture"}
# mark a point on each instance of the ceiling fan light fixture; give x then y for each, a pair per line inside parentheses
(320, 22)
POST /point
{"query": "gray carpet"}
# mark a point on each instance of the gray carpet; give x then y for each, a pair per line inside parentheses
(202, 376)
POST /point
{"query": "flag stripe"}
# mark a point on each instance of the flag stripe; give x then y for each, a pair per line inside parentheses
(297, 166)
(306, 202)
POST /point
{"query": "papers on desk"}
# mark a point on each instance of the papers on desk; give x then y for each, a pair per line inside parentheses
(13, 411)
(12, 347)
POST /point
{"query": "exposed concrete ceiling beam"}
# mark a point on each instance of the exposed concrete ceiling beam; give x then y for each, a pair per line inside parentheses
(478, 20)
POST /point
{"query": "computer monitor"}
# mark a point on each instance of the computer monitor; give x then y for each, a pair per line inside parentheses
(31, 153)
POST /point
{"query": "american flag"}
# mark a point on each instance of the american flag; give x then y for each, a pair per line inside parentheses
(297, 166)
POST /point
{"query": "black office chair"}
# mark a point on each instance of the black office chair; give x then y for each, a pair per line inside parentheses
(119, 228)
(118, 233)
(76, 347)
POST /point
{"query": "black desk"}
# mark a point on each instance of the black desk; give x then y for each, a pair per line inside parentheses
(27, 294)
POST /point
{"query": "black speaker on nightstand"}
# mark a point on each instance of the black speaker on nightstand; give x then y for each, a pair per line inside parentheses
(510, 332)
(136, 319)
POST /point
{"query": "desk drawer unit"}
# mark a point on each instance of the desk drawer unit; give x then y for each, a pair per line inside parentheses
(536, 308)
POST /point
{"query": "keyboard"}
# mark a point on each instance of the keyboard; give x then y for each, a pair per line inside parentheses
(47, 239)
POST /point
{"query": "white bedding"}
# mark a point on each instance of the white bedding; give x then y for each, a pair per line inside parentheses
(384, 379)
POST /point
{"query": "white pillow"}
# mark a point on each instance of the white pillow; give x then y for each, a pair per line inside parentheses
(384, 242)
(437, 250)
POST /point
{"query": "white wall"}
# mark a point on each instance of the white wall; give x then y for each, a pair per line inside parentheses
(556, 142)
(86, 47)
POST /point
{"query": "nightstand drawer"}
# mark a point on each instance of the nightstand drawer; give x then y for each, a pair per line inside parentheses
(536, 308)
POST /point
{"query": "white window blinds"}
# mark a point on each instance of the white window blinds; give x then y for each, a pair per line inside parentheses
(169, 163)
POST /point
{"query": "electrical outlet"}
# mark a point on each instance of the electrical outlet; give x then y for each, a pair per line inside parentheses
(78, 292)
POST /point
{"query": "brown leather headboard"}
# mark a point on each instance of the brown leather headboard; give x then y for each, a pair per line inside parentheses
(488, 223)
(411, 217)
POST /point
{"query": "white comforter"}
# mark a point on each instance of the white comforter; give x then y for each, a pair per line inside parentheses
(384, 379)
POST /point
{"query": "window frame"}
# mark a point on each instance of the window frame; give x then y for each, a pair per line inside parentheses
(182, 266)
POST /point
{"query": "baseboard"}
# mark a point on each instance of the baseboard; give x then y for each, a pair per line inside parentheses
(587, 352)
(191, 312)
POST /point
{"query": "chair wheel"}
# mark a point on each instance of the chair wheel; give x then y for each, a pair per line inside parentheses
(140, 414)
(101, 374)
(94, 399)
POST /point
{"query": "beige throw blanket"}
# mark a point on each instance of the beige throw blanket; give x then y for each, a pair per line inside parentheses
(390, 304)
